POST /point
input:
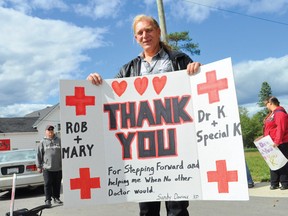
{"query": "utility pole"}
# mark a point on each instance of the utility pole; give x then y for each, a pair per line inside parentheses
(161, 16)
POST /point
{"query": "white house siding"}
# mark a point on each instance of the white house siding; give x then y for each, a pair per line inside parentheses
(20, 140)
(53, 118)
(30, 139)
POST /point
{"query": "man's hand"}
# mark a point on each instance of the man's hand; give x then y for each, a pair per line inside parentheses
(95, 78)
(193, 67)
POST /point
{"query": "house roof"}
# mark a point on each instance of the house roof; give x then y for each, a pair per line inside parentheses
(28, 123)
(17, 124)
(41, 114)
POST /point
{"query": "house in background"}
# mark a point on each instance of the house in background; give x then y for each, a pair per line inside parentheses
(26, 132)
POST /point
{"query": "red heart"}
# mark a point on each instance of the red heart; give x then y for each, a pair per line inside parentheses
(119, 88)
(141, 85)
(159, 83)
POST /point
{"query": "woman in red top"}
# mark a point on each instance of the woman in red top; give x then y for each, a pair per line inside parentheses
(276, 125)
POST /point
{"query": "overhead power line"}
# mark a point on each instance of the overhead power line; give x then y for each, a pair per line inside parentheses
(241, 14)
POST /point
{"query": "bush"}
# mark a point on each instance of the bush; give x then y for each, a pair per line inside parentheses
(259, 169)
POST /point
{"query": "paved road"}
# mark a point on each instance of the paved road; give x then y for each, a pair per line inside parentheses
(263, 202)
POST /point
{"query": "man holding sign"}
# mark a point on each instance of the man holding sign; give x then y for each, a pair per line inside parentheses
(156, 58)
(276, 126)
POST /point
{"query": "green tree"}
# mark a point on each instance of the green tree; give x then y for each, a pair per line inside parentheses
(246, 128)
(264, 93)
(182, 41)
(251, 127)
(257, 122)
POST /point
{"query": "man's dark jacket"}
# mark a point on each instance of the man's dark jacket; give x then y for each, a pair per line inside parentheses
(179, 61)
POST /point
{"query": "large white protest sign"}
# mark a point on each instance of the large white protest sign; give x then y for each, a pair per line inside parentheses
(161, 137)
(272, 155)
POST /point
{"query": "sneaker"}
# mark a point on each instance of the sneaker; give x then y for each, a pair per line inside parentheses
(283, 187)
(48, 203)
(250, 185)
(57, 201)
(274, 187)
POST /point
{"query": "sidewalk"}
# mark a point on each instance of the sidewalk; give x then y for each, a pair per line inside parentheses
(262, 202)
(262, 189)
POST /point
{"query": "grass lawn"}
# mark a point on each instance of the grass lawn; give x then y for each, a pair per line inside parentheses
(257, 165)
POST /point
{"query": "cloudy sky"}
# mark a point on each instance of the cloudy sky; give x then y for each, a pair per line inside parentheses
(43, 41)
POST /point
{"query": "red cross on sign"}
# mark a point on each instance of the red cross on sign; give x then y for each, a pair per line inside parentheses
(84, 183)
(80, 101)
(222, 176)
(212, 86)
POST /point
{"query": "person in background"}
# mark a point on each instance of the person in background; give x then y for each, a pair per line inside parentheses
(276, 125)
(157, 57)
(50, 164)
(249, 177)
